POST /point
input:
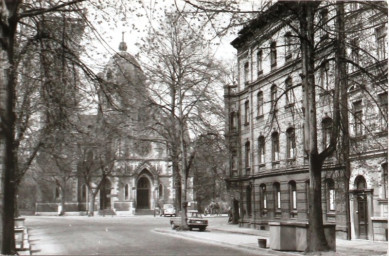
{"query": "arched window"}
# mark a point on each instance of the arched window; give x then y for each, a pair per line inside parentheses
(246, 112)
(261, 149)
(260, 103)
(263, 198)
(126, 192)
(277, 197)
(360, 183)
(275, 147)
(247, 156)
(289, 91)
(273, 54)
(292, 195)
(273, 97)
(331, 203)
(326, 130)
(290, 143)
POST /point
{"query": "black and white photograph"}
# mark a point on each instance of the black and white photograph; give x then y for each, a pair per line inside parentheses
(194, 127)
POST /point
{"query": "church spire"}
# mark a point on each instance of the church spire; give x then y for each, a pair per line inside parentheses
(122, 45)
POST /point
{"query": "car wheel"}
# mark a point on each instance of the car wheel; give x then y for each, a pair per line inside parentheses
(190, 228)
(202, 228)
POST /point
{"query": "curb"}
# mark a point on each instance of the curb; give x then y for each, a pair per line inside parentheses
(208, 240)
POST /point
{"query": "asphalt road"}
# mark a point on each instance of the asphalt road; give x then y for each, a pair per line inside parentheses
(113, 236)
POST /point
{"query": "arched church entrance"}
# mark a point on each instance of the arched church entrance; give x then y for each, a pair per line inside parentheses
(143, 193)
(105, 194)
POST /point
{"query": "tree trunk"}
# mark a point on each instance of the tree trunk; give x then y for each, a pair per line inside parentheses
(341, 76)
(91, 206)
(7, 90)
(316, 237)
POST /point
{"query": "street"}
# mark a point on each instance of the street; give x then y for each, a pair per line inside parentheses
(81, 235)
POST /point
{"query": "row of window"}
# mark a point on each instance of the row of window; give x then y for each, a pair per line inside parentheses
(357, 109)
(273, 57)
(292, 192)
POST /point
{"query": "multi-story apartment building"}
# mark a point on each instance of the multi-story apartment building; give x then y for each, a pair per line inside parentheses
(268, 165)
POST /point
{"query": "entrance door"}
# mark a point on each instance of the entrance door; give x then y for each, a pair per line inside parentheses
(105, 194)
(362, 216)
(143, 194)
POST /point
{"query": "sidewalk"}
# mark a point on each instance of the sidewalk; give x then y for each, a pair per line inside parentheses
(247, 238)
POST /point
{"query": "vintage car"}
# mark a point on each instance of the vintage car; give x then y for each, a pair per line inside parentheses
(195, 220)
(168, 210)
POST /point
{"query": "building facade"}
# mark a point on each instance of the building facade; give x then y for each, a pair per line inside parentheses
(268, 165)
(141, 176)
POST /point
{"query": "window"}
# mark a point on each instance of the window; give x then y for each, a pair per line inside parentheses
(291, 143)
(288, 45)
(246, 112)
(353, 6)
(83, 192)
(273, 54)
(259, 62)
(325, 66)
(293, 195)
(357, 112)
(289, 91)
(160, 190)
(260, 103)
(326, 130)
(234, 161)
(263, 198)
(126, 192)
(277, 196)
(360, 183)
(307, 195)
(233, 120)
(323, 23)
(246, 73)
(330, 195)
(248, 199)
(381, 42)
(261, 150)
(273, 97)
(247, 156)
(383, 110)
(275, 147)
(354, 54)
(57, 192)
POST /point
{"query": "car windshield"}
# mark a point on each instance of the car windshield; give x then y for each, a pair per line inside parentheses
(168, 206)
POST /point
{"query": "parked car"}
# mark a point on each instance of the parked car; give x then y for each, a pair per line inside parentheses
(195, 220)
(168, 210)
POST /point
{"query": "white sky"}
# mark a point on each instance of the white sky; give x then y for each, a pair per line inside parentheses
(112, 21)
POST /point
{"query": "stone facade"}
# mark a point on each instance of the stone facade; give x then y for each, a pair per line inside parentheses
(268, 165)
